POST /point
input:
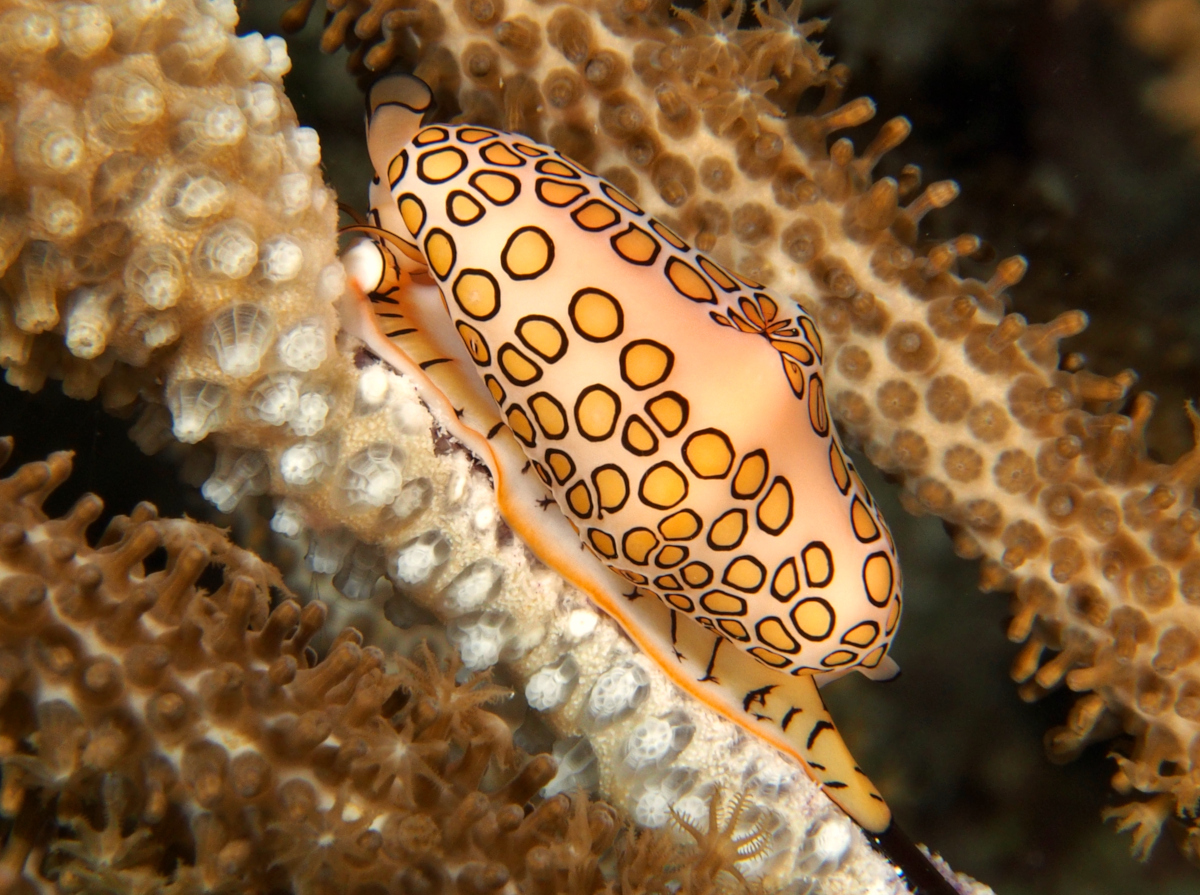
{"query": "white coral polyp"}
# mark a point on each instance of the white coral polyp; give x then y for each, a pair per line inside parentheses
(279, 63)
(416, 560)
(194, 196)
(259, 102)
(48, 139)
(826, 845)
(154, 273)
(190, 59)
(474, 586)
(131, 17)
(281, 259)
(27, 32)
(305, 463)
(694, 807)
(89, 321)
(123, 101)
(373, 387)
(197, 408)
(84, 29)
(481, 638)
(414, 497)
(238, 338)
(61, 151)
(410, 417)
(373, 476)
(484, 519)
(331, 282)
(216, 126)
(305, 346)
(305, 146)
(158, 331)
(550, 687)
(295, 192)
(224, 11)
(141, 103)
(580, 624)
(648, 743)
(652, 810)
(54, 213)
(656, 740)
(288, 519)
(327, 550)
(245, 475)
(252, 55)
(310, 414)
(617, 692)
(275, 399)
(654, 799)
(577, 768)
(227, 250)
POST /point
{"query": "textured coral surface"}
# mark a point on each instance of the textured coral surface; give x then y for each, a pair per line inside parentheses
(167, 726)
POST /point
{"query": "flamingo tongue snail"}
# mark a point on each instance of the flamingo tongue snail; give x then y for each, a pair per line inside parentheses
(631, 395)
